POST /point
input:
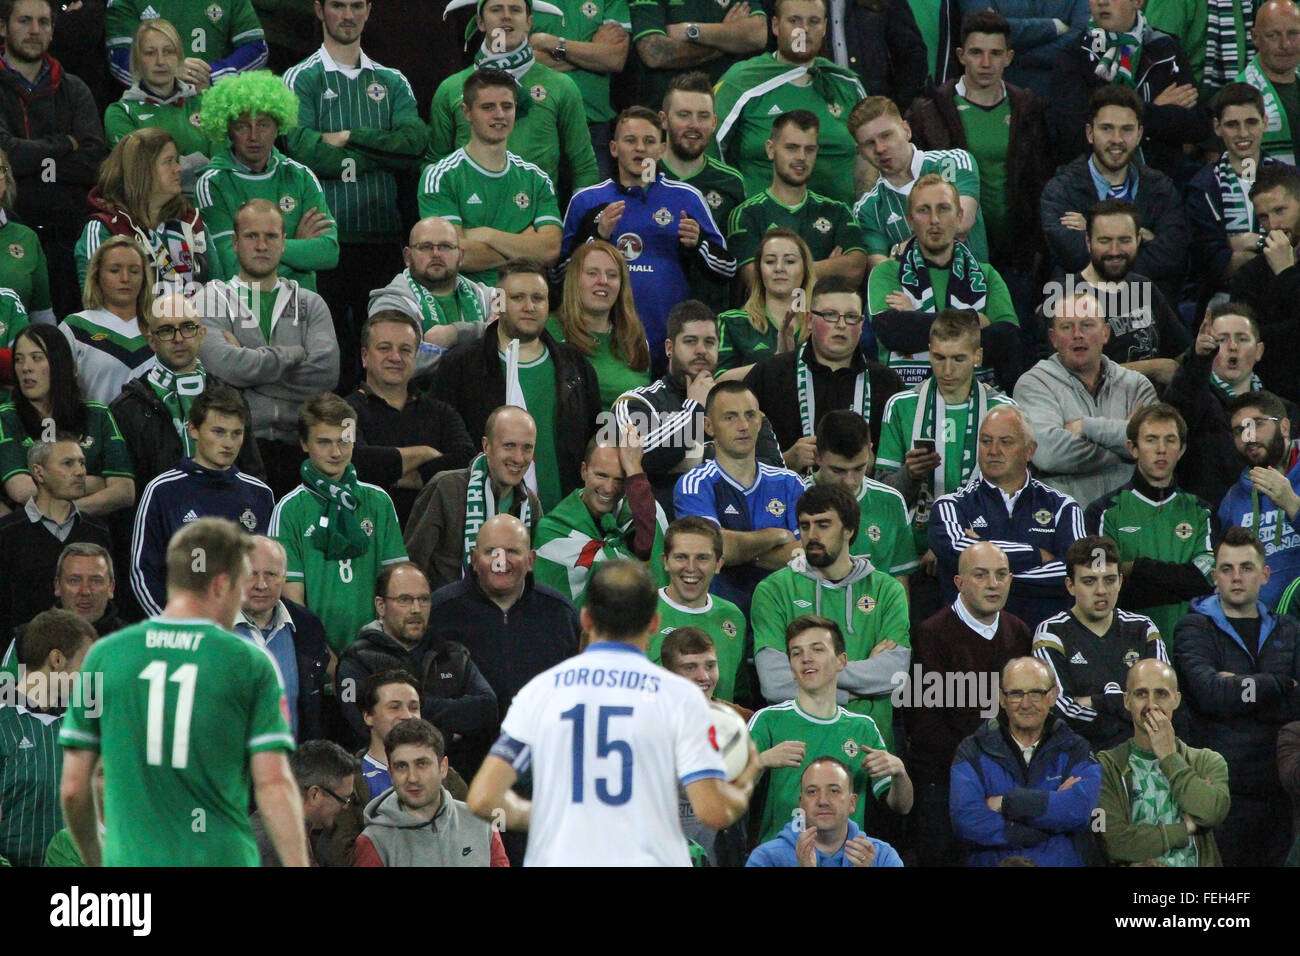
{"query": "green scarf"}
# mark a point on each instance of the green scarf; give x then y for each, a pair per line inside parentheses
(481, 505)
(931, 423)
(341, 535)
(471, 305)
(517, 63)
(1256, 385)
(1277, 142)
(1117, 53)
(1227, 41)
(177, 393)
(1234, 195)
(808, 400)
(967, 288)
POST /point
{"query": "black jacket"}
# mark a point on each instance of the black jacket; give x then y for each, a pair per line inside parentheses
(1276, 300)
(456, 697)
(936, 125)
(1165, 128)
(1237, 719)
(312, 652)
(1163, 259)
(885, 48)
(774, 382)
(472, 379)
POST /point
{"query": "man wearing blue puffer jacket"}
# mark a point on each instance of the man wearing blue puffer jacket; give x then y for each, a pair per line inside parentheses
(1025, 784)
(822, 833)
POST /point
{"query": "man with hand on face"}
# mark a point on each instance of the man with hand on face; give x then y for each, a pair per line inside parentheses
(658, 224)
(1163, 533)
(1161, 799)
(813, 725)
(822, 833)
(614, 515)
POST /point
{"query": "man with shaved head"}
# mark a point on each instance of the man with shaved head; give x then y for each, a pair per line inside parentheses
(1160, 798)
(961, 649)
(1273, 72)
(1025, 784)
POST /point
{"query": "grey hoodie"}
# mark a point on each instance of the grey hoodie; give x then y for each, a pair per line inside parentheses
(454, 837)
(397, 295)
(1088, 467)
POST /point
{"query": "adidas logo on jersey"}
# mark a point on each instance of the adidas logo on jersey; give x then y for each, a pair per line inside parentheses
(473, 200)
(730, 510)
(189, 516)
(149, 13)
(329, 95)
(775, 111)
(26, 744)
(1078, 658)
(893, 218)
(979, 522)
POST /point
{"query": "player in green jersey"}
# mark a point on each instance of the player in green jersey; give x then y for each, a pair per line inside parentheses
(692, 556)
(795, 732)
(827, 226)
(885, 141)
(188, 719)
(337, 532)
(867, 603)
(502, 206)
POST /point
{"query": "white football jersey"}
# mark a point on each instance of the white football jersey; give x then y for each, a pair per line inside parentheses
(609, 737)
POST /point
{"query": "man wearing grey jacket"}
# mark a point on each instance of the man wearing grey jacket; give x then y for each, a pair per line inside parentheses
(1080, 401)
(271, 338)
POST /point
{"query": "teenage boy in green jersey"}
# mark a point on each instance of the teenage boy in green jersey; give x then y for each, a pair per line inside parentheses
(692, 556)
(337, 532)
(503, 206)
(790, 734)
(1163, 532)
(868, 604)
(188, 719)
(827, 225)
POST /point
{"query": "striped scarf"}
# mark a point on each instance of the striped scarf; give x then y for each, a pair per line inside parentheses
(1234, 196)
(1221, 385)
(1117, 53)
(481, 504)
(1228, 46)
(967, 288)
(1277, 142)
(517, 63)
(177, 392)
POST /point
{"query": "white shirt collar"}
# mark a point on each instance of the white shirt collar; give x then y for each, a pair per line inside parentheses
(279, 618)
(1009, 500)
(708, 604)
(918, 157)
(333, 66)
(961, 91)
(986, 631)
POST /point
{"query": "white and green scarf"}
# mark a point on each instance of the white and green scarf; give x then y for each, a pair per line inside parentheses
(1151, 799)
(177, 393)
(481, 504)
(1234, 196)
(1277, 142)
(1227, 40)
(1256, 385)
(1117, 53)
(516, 62)
(808, 401)
(471, 304)
(967, 287)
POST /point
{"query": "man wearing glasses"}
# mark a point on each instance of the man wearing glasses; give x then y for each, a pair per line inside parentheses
(831, 371)
(1263, 500)
(934, 271)
(325, 774)
(1025, 784)
(456, 697)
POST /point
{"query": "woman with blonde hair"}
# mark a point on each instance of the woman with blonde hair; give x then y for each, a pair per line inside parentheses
(598, 317)
(22, 260)
(108, 337)
(160, 97)
(771, 320)
(139, 196)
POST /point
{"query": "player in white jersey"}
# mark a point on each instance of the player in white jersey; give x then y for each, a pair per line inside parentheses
(609, 737)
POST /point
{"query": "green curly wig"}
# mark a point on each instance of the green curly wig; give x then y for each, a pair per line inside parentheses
(258, 93)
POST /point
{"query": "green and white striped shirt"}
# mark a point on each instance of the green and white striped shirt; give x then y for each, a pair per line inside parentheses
(31, 764)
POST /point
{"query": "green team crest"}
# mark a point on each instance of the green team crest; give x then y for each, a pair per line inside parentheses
(368, 527)
(866, 604)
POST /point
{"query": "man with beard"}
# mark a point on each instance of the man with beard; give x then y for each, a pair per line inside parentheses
(869, 606)
(791, 79)
(1145, 334)
(1264, 499)
(689, 120)
(827, 225)
(669, 413)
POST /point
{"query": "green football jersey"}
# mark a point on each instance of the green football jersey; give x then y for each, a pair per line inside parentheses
(651, 17)
(723, 190)
(209, 29)
(1176, 529)
(824, 224)
(748, 102)
(511, 199)
(988, 134)
(882, 210)
(31, 763)
(868, 608)
(175, 709)
(387, 137)
(740, 344)
(551, 132)
(13, 319)
(537, 380)
(180, 119)
(582, 18)
(721, 620)
(883, 534)
(844, 737)
(612, 373)
(105, 451)
(23, 268)
(339, 592)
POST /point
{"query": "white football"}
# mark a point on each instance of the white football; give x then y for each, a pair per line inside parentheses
(731, 737)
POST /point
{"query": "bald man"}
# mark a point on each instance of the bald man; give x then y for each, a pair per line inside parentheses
(1273, 72)
(1025, 784)
(1160, 799)
(290, 633)
(960, 650)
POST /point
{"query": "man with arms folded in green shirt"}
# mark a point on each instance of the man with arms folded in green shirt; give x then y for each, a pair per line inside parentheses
(790, 734)
(189, 721)
(869, 606)
(503, 206)
(672, 36)
(827, 225)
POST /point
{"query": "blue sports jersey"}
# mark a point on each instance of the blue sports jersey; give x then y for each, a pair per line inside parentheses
(376, 774)
(647, 236)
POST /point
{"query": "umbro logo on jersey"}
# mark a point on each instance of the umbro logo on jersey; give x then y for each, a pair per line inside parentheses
(310, 529)
(775, 111)
(803, 603)
(189, 516)
(979, 522)
(145, 116)
(473, 200)
(329, 95)
(26, 744)
(1078, 658)
(1130, 529)
(893, 218)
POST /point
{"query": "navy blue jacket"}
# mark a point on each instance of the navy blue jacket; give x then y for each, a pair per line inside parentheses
(313, 655)
(1042, 518)
(186, 493)
(1038, 820)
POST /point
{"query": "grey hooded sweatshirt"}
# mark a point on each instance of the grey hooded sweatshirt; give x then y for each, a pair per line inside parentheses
(454, 837)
